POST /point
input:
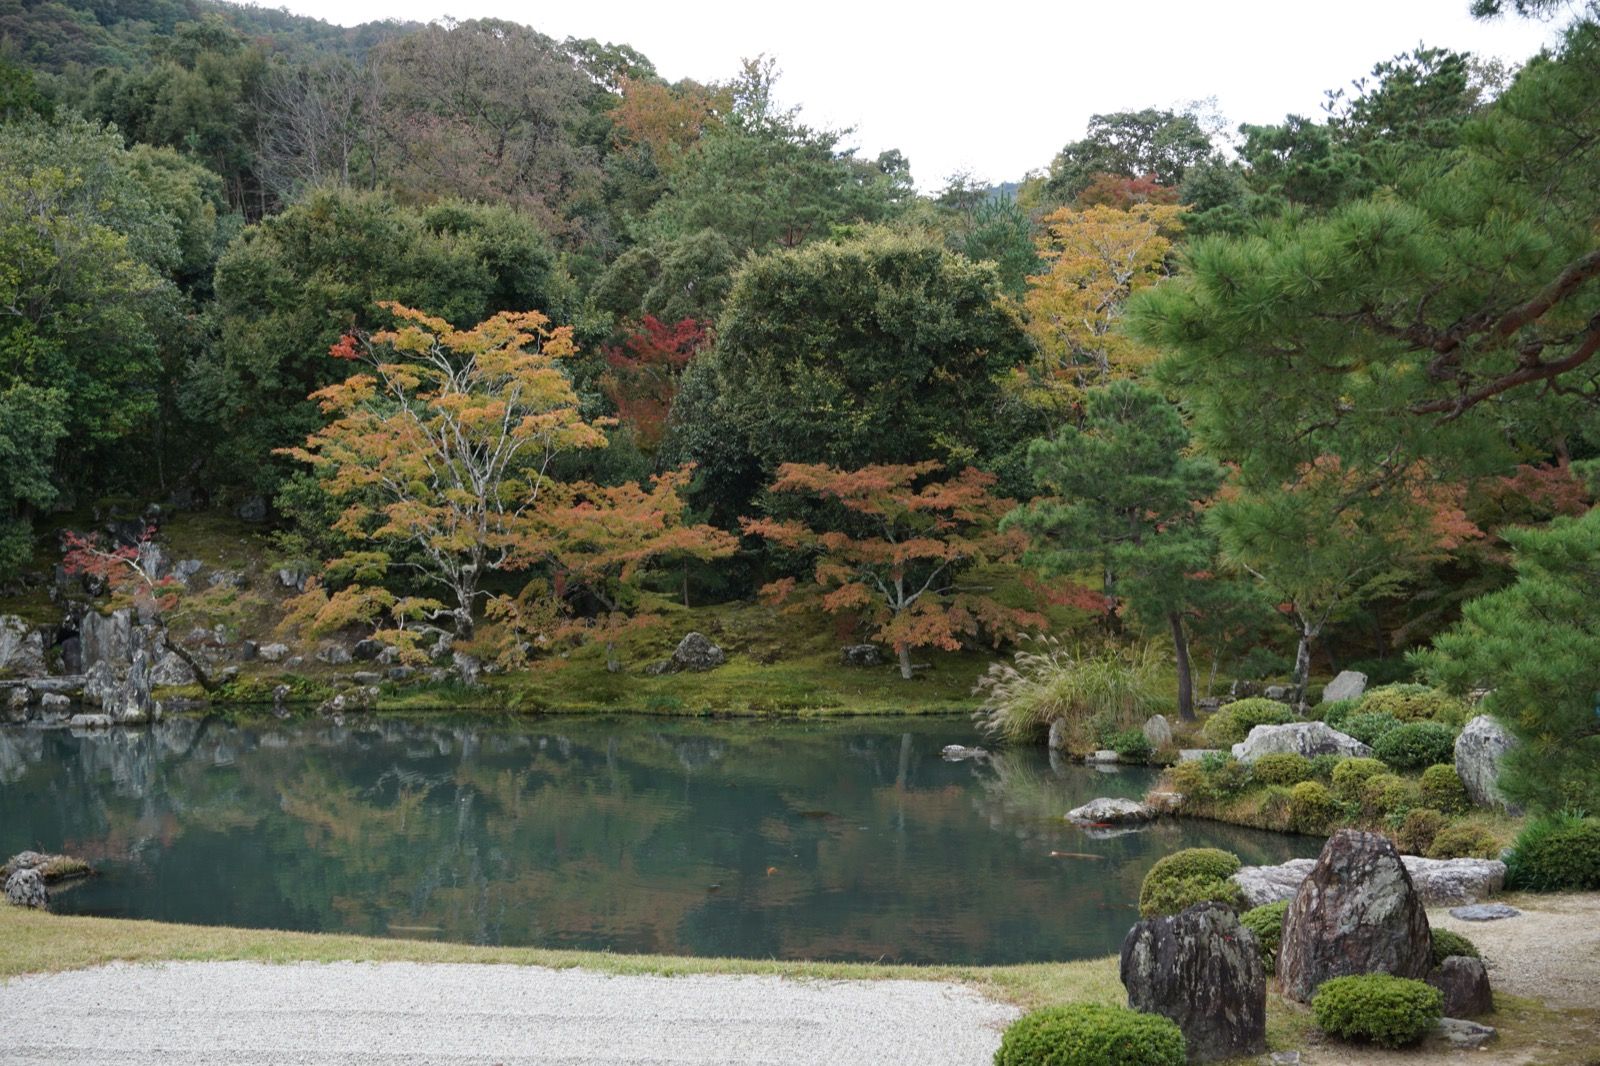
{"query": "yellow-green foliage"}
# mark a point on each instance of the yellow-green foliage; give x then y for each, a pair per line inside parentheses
(1187, 877)
(1351, 774)
(1442, 789)
(1233, 723)
(1021, 698)
(1377, 1007)
(1090, 1034)
(1464, 842)
(1281, 768)
(1412, 703)
(1266, 922)
(1446, 944)
(1311, 807)
(1416, 834)
(1386, 794)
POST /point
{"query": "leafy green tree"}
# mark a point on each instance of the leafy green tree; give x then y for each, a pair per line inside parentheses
(1130, 144)
(1535, 646)
(1125, 497)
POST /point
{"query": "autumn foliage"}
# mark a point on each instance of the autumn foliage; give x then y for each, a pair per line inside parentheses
(643, 374)
(896, 554)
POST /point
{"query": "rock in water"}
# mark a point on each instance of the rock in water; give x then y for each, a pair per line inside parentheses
(1057, 740)
(25, 888)
(1158, 731)
(1109, 811)
(1465, 984)
(1302, 738)
(1202, 969)
(1347, 686)
(1480, 749)
(696, 652)
(1356, 912)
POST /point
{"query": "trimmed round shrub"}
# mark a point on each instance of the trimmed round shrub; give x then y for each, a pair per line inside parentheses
(1367, 728)
(1416, 744)
(1446, 944)
(1187, 877)
(1311, 807)
(1322, 766)
(1416, 833)
(1350, 774)
(1336, 712)
(1386, 794)
(1281, 768)
(1442, 789)
(1414, 703)
(1131, 745)
(1556, 852)
(1266, 922)
(1091, 1034)
(1465, 842)
(1377, 1007)
(1233, 723)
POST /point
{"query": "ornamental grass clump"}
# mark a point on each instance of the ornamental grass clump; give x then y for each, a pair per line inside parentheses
(1556, 853)
(1378, 1008)
(1049, 681)
(1187, 877)
(1091, 1034)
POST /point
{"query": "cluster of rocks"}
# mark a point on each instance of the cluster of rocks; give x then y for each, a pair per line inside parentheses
(1436, 881)
(26, 874)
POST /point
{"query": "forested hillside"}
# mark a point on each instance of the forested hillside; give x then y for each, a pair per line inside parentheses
(510, 337)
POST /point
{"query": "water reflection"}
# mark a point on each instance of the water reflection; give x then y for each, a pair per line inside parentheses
(842, 840)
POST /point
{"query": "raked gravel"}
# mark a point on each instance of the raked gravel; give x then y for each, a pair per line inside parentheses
(389, 1013)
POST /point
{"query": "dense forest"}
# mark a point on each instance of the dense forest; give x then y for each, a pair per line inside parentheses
(511, 336)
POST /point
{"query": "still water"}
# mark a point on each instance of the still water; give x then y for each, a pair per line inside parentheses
(842, 840)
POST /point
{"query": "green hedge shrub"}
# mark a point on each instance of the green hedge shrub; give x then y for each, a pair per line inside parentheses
(1418, 831)
(1233, 723)
(1465, 842)
(1131, 745)
(1322, 766)
(1442, 789)
(1416, 744)
(1367, 728)
(1387, 1010)
(1311, 807)
(1554, 853)
(1446, 944)
(1336, 713)
(1187, 877)
(1350, 774)
(1386, 794)
(1091, 1034)
(1266, 922)
(1414, 703)
(1281, 768)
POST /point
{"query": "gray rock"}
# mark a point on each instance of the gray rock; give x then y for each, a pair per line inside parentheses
(1347, 686)
(366, 677)
(1196, 754)
(1302, 738)
(1437, 881)
(225, 579)
(55, 702)
(185, 569)
(468, 668)
(1202, 969)
(152, 560)
(1480, 749)
(1057, 740)
(253, 509)
(21, 647)
(400, 673)
(293, 577)
(659, 667)
(249, 651)
(861, 655)
(1110, 811)
(696, 652)
(106, 638)
(1484, 912)
(170, 669)
(25, 888)
(1464, 1035)
(272, 653)
(1464, 981)
(367, 650)
(1357, 912)
(1284, 1058)
(333, 654)
(1104, 755)
(1281, 693)
(1158, 731)
(91, 721)
(18, 697)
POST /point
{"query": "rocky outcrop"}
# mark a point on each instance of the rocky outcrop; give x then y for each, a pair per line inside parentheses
(1349, 685)
(118, 659)
(697, 652)
(1480, 750)
(1437, 881)
(1110, 811)
(21, 647)
(1202, 969)
(1300, 738)
(25, 888)
(1357, 912)
(1464, 983)
(1158, 731)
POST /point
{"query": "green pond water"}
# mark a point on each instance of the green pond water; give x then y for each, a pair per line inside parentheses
(842, 840)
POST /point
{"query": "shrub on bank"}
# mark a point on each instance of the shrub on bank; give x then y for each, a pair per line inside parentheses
(1281, 768)
(1464, 842)
(1349, 775)
(1378, 1007)
(1233, 723)
(1418, 830)
(1416, 744)
(1131, 745)
(1556, 853)
(1311, 808)
(1383, 795)
(1414, 703)
(1446, 944)
(1187, 877)
(1266, 922)
(1338, 712)
(1367, 728)
(1091, 1034)
(1442, 789)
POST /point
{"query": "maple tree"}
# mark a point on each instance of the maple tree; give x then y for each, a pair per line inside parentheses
(642, 376)
(665, 120)
(897, 553)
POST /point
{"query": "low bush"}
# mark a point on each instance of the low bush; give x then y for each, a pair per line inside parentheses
(1281, 768)
(1464, 842)
(1233, 723)
(1446, 944)
(1311, 807)
(1131, 745)
(1418, 830)
(1322, 766)
(1555, 853)
(1383, 795)
(1266, 922)
(1414, 703)
(1367, 728)
(1337, 712)
(1091, 1034)
(1187, 877)
(1378, 1007)
(1416, 744)
(1442, 789)
(1350, 774)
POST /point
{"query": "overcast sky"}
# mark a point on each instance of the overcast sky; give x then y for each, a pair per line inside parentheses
(997, 90)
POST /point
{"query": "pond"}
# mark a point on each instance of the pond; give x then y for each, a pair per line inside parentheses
(841, 840)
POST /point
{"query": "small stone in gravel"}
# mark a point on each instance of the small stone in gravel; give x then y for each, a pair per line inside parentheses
(1484, 912)
(1466, 1035)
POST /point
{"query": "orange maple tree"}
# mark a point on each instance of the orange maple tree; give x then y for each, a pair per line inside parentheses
(896, 554)
(642, 376)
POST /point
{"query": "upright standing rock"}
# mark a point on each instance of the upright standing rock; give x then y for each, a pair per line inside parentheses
(1202, 969)
(1158, 731)
(1347, 686)
(1480, 749)
(1464, 983)
(25, 888)
(1356, 912)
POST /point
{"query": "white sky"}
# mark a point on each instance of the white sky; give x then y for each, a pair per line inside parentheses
(998, 90)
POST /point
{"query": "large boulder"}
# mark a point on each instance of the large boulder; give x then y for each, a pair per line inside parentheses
(21, 647)
(1464, 981)
(1357, 912)
(1347, 686)
(696, 652)
(1158, 731)
(1202, 969)
(1437, 881)
(861, 655)
(25, 888)
(1480, 749)
(1300, 738)
(1110, 811)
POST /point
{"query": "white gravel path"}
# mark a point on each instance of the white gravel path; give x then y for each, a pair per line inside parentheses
(391, 1013)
